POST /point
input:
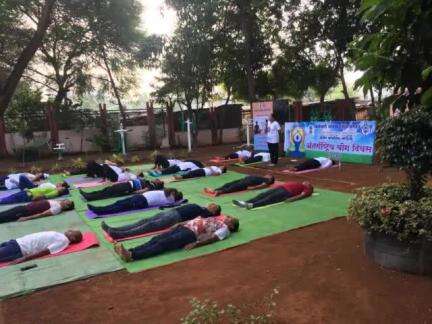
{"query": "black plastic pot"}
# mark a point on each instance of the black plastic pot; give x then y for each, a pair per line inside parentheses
(391, 253)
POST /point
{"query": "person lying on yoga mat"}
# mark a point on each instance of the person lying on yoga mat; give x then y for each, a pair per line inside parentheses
(202, 172)
(315, 163)
(124, 189)
(158, 198)
(289, 191)
(161, 162)
(20, 180)
(108, 170)
(247, 183)
(45, 191)
(258, 157)
(181, 166)
(241, 154)
(37, 245)
(162, 220)
(36, 209)
(189, 235)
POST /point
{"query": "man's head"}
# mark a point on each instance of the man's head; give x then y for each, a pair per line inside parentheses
(67, 204)
(214, 209)
(62, 185)
(74, 236)
(159, 184)
(62, 191)
(232, 223)
(224, 169)
(270, 178)
(272, 118)
(308, 185)
(178, 196)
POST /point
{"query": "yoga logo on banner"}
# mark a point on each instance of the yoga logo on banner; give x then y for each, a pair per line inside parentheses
(353, 141)
(261, 112)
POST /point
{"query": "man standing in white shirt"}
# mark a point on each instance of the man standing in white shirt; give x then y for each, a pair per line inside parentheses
(273, 129)
(36, 245)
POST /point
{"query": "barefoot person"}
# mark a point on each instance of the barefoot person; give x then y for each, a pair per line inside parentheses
(192, 234)
(315, 163)
(36, 245)
(273, 129)
(247, 183)
(124, 189)
(36, 209)
(20, 181)
(107, 170)
(158, 198)
(181, 166)
(162, 220)
(162, 162)
(258, 157)
(211, 171)
(289, 191)
(241, 154)
(45, 191)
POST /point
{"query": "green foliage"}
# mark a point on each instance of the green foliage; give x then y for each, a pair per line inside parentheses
(389, 209)
(323, 79)
(117, 159)
(210, 312)
(406, 142)
(78, 163)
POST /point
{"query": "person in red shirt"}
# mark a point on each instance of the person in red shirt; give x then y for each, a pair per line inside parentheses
(288, 191)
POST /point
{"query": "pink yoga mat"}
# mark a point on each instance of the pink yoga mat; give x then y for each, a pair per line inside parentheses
(274, 185)
(308, 171)
(89, 240)
(5, 193)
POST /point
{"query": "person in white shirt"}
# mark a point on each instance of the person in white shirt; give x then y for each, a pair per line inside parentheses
(162, 162)
(181, 166)
(20, 181)
(203, 172)
(241, 154)
(315, 163)
(258, 157)
(157, 198)
(273, 129)
(37, 245)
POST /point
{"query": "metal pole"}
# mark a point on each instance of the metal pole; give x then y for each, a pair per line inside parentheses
(188, 123)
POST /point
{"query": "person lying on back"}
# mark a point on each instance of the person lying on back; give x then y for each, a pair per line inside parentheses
(44, 191)
(247, 183)
(159, 198)
(203, 172)
(124, 189)
(315, 163)
(36, 209)
(162, 220)
(37, 245)
(21, 180)
(189, 235)
(288, 191)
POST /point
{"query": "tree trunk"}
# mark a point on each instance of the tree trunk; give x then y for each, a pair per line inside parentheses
(322, 103)
(372, 96)
(113, 85)
(341, 65)
(9, 87)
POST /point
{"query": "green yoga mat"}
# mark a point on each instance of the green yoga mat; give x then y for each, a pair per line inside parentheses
(55, 270)
(254, 224)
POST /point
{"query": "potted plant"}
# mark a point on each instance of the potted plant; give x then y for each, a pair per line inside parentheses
(397, 218)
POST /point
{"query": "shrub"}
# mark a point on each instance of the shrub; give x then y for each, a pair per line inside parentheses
(35, 169)
(406, 142)
(78, 163)
(117, 159)
(135, 159)
(389, 209)
(208, 311)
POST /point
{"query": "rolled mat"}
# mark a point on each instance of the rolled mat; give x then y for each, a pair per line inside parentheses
(89, 240)
(274, 185)
(308, 171)
(91, 215)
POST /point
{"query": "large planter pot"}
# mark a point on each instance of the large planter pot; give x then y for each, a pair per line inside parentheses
(391, 253)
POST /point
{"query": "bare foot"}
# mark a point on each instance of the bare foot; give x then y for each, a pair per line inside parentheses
(178, 178)
(122, 252)
(209, 191)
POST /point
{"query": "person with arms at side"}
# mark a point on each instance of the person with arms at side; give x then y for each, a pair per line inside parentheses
(288, 191)
(159, 198)
(162, 220)
(258, 157)
(35, 209)
(247, 183)
(315, 163)
(182, 166)
(189, 235)
(37, 245)
(44, 191)
(273, 129)
(124, 189)
(21, 180)
(241, 154)
(211, 171)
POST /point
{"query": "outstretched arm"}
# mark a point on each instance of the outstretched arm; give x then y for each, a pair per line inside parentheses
(298, 197)
(40, 215)
(262, 185)
(31, 257)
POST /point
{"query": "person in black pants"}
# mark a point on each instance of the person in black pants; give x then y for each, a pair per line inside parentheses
(247, 183)
(123, 189)
(273, 129)
(162, 220)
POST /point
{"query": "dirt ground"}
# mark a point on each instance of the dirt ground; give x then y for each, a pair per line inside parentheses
(320, 271)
